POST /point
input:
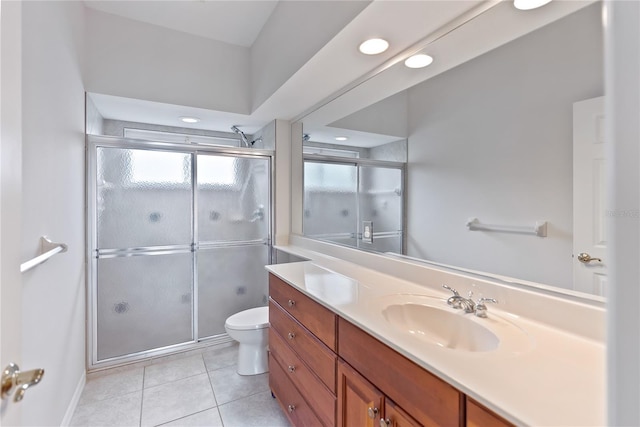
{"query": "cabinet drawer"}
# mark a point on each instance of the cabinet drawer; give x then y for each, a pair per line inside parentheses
(294, 406)
(317, 395)
(479, 416)
(320, 359)
(431, 401)
(316, 318)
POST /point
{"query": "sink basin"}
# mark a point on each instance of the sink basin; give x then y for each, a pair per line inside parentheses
(422, 319)
(442, 327)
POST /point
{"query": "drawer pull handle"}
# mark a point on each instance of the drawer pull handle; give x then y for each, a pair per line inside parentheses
(292, 369)
(385, 423)
(291, 335)
(372, 412)
(291, 303)
(291, 408)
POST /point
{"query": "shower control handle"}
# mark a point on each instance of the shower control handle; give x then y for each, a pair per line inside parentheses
(291, 303)
(292, 369)
(291, 335)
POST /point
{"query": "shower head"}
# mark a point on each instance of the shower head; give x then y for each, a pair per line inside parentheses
(244, 138)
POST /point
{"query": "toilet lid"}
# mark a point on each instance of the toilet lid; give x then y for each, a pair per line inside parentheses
(254, 318)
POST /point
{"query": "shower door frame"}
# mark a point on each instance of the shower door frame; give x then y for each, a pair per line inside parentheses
(93, 142)
(358, 162)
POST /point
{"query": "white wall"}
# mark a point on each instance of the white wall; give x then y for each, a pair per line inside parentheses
(622, 109)
(143, 61)
(10, 196)
(492, 139)
(53, 204)
(276, 55)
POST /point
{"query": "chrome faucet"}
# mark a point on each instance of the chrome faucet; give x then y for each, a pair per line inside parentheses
(467, 304)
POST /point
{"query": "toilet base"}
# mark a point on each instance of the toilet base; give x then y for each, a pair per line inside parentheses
(252, 359)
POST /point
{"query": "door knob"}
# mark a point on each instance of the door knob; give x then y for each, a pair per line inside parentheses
(585, 258)
(13, 378)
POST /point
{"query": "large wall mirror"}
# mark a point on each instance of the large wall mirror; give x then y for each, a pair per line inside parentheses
(502, 137)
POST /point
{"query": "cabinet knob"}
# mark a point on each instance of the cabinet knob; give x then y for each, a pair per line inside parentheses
(292, 369)
(385, 423)
(291, 335)
(291, 303)
(372, 412)
(291, 408)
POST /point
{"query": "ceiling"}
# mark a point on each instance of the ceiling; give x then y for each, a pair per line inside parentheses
(235, 22)
(333, 65)
(409, 25)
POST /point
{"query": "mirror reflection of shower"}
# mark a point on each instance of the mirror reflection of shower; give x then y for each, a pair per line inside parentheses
(244, 138)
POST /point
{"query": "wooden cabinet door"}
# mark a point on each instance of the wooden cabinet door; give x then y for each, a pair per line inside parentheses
(479, 416)
(359, 402)
(395, 416)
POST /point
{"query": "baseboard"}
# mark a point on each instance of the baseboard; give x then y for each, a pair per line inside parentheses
(66, 421)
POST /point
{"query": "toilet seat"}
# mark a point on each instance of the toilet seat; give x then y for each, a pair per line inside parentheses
(253, 318)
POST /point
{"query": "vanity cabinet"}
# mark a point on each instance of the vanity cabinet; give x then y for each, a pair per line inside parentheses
(479, 416)
(326, 371)
(418, 397)
(302, 358)
(360, 403)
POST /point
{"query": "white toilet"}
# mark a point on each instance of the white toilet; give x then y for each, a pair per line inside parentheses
(251, 329)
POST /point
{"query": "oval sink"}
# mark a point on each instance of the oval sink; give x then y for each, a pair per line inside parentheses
(442, 327)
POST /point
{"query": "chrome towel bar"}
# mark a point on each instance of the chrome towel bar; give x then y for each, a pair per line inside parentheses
(539, 228)
(47, 250)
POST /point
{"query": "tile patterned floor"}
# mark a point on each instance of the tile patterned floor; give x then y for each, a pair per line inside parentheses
(202, 390)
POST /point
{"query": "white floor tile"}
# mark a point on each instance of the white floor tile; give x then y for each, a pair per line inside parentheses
(118, 411)
(209, 418)
(221, 357)
(174, 370)
(258, 410)
(228, 385)
(177, 399)
(108, 386)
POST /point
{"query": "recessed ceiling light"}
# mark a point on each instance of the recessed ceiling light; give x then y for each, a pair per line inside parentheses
(190, 119)
(374, 46)
(529, 4)
(341, 138)
(418, 61)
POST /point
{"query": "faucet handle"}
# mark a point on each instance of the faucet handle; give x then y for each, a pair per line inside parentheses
(455, 293)
(481, 308)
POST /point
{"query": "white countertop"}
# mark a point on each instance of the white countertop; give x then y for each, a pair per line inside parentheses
(541, 376)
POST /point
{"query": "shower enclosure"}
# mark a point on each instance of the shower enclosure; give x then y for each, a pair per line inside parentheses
(178, 238)
(355, 202)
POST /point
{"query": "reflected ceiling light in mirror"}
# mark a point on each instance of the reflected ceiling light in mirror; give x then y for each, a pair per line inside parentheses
(529, 4)
(186, 119)
(418, 61)
(374, 46)
(341, 138)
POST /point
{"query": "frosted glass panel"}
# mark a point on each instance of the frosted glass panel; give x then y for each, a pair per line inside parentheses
(230, 280)
(144, 302)
(143, 198)
(233, 198)
(380, 199)
(330, 204)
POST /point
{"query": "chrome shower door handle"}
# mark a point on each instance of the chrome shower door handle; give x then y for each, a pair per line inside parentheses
(13, 378)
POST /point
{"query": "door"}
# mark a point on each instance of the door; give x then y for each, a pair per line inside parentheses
(233, 237)
(359, 402)
(589, 230)
(10, 187)
(395, 416)
(380, 207)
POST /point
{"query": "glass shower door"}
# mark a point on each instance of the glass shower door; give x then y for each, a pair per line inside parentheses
(330, 202)
(381, 204)
(233, 237)
(144, 266)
